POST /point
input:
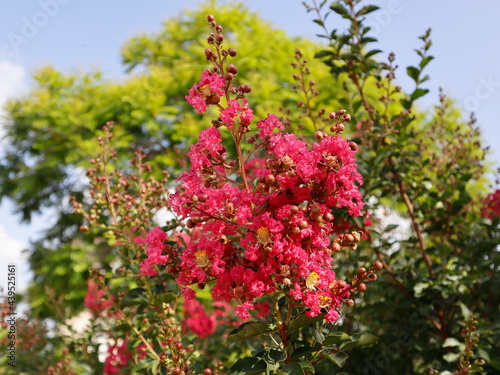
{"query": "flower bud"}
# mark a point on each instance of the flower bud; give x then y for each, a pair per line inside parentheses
(232, 52)
(328, 217)
(347, 117)
(349, 303)
(245, 88)
(210, 40)
(336, 247)
(210, 18)
(319, 135)
(362, 287)
(270, 179)
(303, 224)
(377, 266)
(348, 238)
(230, 68)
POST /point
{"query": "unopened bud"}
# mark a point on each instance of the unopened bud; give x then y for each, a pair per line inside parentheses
(270, 179)
(230, 68)
(303, 224)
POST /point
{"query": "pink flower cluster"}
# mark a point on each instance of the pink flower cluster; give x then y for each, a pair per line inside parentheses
(198, 321)
(276, 236)
(208, 91)
(155, 247)
(95, 299)
(491, 206)
(118, 357)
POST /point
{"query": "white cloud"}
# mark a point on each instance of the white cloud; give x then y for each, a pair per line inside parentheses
(11, 250)
(12, 78)
(12, 83)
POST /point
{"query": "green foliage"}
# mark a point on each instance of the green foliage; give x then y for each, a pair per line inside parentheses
(429, 172)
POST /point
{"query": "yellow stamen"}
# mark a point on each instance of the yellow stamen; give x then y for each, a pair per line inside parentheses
(201, 258)
(324, 301)
(263, 236)
(312, 280)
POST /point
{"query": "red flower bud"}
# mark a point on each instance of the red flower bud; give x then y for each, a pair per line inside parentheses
(230, 68)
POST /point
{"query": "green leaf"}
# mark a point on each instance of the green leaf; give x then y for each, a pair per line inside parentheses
(419, 288)
(303, 321)
(451, 342)
(337, 338)
(413, 72)
(302, 351)
(359, 340)
(319, 22)
(338, 358)
(339, 9)
(293, 368)
(323, 53)
(166, 297)
(134, 296)
(425, 61)
(418, 93)
(272, 357)
(372, 53)
(306, 365)
(249, 330)
(248, 366)
(406, 103)
(465, 310)
(451, 357)
(367, 9)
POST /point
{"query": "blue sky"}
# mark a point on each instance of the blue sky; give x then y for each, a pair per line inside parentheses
(73, 34)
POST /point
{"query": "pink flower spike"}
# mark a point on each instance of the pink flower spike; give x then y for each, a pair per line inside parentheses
(206, 92)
